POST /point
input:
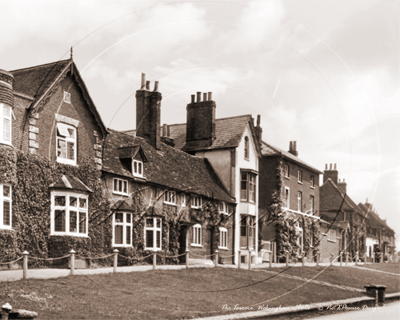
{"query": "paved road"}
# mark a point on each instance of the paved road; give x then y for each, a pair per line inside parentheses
(390, 311)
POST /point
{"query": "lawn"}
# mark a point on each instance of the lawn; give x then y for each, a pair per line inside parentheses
(169, 294)
(348, 276)
(387, 267)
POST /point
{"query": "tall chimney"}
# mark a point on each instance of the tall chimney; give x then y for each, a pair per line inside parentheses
(258, 130)
(292, 148)
(331, 174)
(342, 186)
(200, 122)
(148, 113)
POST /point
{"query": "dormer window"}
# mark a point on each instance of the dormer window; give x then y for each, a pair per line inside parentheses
(196, 202)
(5, 124)
(67, 97)
(137, 168)
(246, 147)
(66, 143)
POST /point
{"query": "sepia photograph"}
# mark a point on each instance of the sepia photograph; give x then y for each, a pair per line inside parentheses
(200, 159)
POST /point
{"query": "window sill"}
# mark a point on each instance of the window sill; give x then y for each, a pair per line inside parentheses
(63, 161)
(223, 248)
(195, 207)
(152, 249)
(331, 240)
(222, 212)
(299, 182)
(286, 177)
(170, 203)
(121, 193)
(69, 234)
(122, 245)
(6, 143)
(312, 187)
(5, 228)
(196, 245)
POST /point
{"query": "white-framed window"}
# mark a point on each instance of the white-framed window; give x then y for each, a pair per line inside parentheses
(223, 238)
(300, 176)
(137, 168)
(299, 201)
(197, 235)
(196, 202)
(66, 143)
(246, 148)
(152, 234)
(5, 124)
(223, 208)
(312, 181)
(5, 206)
(286, 171)
(184, 200)
(170, 197)
(248, 187)
(122, 229)
(67, 97)
(247, 231)
(286, 202)
(69, 214)
(312, 204)
(299, 240)
(332, 235)
(120, 186)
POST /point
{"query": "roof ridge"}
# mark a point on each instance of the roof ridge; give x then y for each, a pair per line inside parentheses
(40, 65)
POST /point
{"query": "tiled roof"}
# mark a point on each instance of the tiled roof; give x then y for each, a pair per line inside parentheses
(373, 219)
(269, 150)
(166, 167)
(71, 183)
(35, 81)
(228, 132)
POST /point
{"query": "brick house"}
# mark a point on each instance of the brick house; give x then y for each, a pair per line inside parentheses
(337, 206)
(232, 148)
(293, 185)
(379, 234)
(182, 194)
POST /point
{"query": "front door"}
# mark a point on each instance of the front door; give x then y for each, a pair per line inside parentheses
(183, 243)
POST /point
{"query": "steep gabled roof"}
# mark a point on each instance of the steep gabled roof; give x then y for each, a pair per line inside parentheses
(269, 150)
(40, 81)
(373, 220)
(335, 196)
(167, 167)
(228, 133)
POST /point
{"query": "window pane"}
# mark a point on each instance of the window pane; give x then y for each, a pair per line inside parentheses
(135, 167)
(71, 150)
(118, 234)
(82, 222)
(158, 223)
(149, 222)
(73, 201)
(6, 111)
(149, 239)
(115, 185)
(6, 191)
(71, 133)
(82, 203)
(119, 185)
(158, 239)
(125, 187)
(119, 217)
(128, 218)
(6, 213)
(72, 221)
(140, 168)
(59, 201)
(59, 220)
(6, 130)
(128, 234)
(61, 148)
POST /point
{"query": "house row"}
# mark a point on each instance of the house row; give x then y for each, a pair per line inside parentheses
(67, 181)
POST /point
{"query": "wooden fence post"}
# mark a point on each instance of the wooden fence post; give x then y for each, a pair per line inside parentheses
(115, 260)
(239, 258)
(317, 259)
(6, 308)
(341, 258)
(72, 262)
(154, 260)
(356, 257)
(249, 260)
(25, 265)
(187, 259)
(270, 261)
(302, 260)
(216, 258)
(347, 258)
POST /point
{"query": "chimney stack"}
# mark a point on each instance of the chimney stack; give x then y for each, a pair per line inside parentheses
(331, 174)
(292, 148)
(342, 185)
(148, 112)
(200, 121)
(258, 130)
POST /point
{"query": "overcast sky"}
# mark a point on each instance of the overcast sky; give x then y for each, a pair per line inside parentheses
(322, 73)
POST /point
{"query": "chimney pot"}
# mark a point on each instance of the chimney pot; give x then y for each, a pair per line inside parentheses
(294, 146)
(326, 166)
(205, 96)
(168, 131)
(155, 85)
(335, 167)
(330, 166)
(198, 97)
(193, 98)
(147, 85)
(258, 120)
(165, 130)
(290, 145)
(209, 96)
(143, 83)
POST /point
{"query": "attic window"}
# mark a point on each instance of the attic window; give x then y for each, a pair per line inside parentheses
(137, 168)
(67, 97)
(66, 143)
(246, 147)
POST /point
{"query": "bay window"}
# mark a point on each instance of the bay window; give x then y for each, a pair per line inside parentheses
(247, 231)
(248, 187)
(5, 124)
(152, 233)
(69, 214)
